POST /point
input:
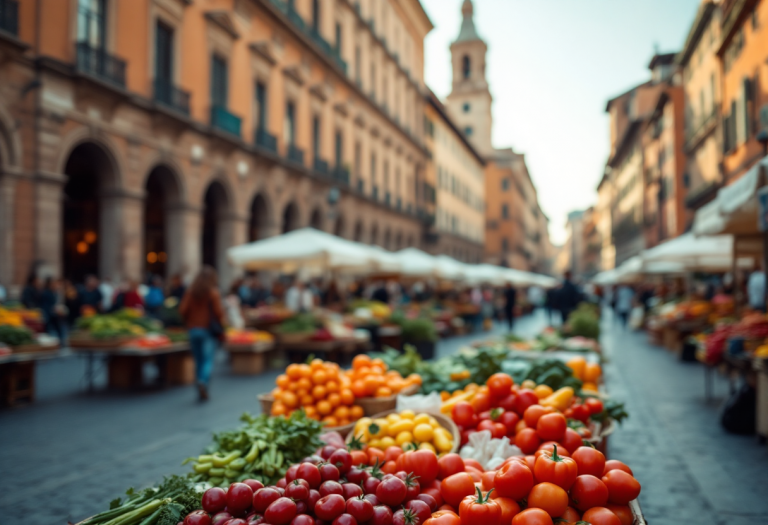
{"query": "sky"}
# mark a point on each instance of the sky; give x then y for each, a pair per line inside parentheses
(552, 65)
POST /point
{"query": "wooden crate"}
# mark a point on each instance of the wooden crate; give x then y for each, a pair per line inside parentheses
(247, 363)
(17, 382)
(181, 369)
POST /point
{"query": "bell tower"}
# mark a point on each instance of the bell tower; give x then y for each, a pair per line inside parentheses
(470, 100)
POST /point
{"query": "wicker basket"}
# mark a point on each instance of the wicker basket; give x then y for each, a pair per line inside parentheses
(266, 400)
(375, 405)
(445, 422)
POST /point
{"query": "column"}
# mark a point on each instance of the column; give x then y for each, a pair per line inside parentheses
(121, 232)
(49, 230)
(184, 240)
(7, 209)
(232, 230)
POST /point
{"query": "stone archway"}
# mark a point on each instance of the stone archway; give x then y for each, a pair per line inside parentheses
(216, 202)
(340, 228)
(316, 220)
(358, 236)
(91, 224)
(163, 233)
(259, 225)
(290, 218)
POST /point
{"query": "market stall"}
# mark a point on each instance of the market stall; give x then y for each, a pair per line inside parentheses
(249, 350)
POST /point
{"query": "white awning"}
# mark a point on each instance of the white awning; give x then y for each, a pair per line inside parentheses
(694, 253)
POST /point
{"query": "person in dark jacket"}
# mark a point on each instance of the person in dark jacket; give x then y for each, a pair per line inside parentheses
(32, 292)
(54, 310)
(510, 300)
(550, 303)
(569, 297)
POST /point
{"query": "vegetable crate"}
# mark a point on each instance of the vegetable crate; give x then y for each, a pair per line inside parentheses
(249, 359)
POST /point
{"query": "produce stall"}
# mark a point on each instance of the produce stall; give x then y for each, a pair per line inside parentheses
(248, 350)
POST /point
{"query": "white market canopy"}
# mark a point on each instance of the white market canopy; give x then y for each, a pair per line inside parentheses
(694, 253)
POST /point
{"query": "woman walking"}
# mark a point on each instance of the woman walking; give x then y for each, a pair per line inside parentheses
(203, 315)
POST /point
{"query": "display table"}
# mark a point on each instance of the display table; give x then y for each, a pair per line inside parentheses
(249, 359)
(126, 364)
(337, 350)
(17, 374)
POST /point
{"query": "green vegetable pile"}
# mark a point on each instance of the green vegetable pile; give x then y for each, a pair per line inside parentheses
(551, 372)
(261, 449)
(16, 335)
(298, 324)
(167, 504)
(584, 321)
(124, 322)
(612, 409)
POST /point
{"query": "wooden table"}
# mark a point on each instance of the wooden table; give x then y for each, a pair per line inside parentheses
(17, 374)
(337, 350)
(249, 359)
(125, 364)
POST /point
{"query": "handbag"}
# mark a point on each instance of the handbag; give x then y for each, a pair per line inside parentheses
(214, 326)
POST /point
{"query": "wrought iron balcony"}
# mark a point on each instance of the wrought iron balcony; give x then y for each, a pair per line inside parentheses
(225, 121)
(9, 16)
(321, 167)
(265, 140)
(169, 95)
(97, 62)
(341, 175)
(295, 18)
(321, 42)
(295, 154)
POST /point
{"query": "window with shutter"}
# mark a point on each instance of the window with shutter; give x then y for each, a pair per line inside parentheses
(261, 106)
(219, 81)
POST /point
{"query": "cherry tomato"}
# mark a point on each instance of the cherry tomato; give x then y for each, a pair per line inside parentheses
(594, 405)
(590, 461)
(330, 487)
(392, 491)
(497, 430)
(551, 427)
(622, 487)
(444, 517)
(342, 459)
(615, 464)
(329, 472)
(572, 440)
(344, 519)
(412, 487)
(581, 413)
(550, 498)
(429, 500)
(534, 412)
(392, 453)
(351, 490)
(479, 510)
(509, 508)
(214, 500)
(360, 508)
(326, 451)
(382, 515)
(499, 385)
(197, 517)
(513, 480)
(280, 512)
(301, 519)
(532, 517)
(486, 479)
(587, 492)
(375, 456)
(420, 509)
(464, 414)
(436, 495)
(525, 398)
(456, 487)
(297, 490)
(477, 475)
(424, 464)
(372, 498)
(553, 468)
(370, 484)
(507, 402)
(359, 457)
(623, 512)
(600, 516)
(311, 473)
(449, 465)
(390, 467)
(509, 419)
(527, 440)
(312, 500)
(469, 462)
(330, 507)
(357, 474)
(240, 498)
(481, 402)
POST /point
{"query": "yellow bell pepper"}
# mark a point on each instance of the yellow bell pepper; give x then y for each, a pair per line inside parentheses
(559, 400)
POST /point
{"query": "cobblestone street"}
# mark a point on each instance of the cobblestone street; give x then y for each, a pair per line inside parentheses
(75, 452)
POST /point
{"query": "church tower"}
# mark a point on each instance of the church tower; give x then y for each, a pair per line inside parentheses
(470, 100)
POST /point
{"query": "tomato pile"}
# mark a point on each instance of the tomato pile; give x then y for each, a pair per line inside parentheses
(338, 486)
(529, 418)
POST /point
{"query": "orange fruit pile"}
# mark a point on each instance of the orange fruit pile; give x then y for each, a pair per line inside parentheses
(371, 378)
(321, 389)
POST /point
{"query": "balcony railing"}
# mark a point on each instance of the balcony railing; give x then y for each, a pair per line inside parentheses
(9, 16)
(225, 121)
(169, 95)
(264, 140)
(295, 154)
(321, 42)
(321, 167)
(295, 18)
(97, 62)
(341, 175)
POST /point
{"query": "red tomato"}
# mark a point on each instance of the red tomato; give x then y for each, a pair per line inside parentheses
(479, 510)
(594, 405)
(423, 464)
(525, 398)
(581, 413)
(622, 487)
(477, 475)
(615, 464)
(499, 385)
(464, 414)
(507, 402)
(600, 516)
(509, 419)
(497, 430)
(553, 468)
(435, 493)
(449, 465)
(392, 453)
(391, 491)
(550, 498)
(443, 517)
(486, 478)
(390, 467)
(481, 402)
(513, 480)
(572, 440)
(590, 461)
(403, 461)
(534, 412)
(551, 427)
(330, 507)
(530, 461)
(532, 517)
(509, 508)
(360, 508)
(358, 458)
(468, 462)
(571, 515)
(623, 512)
(456, 487)
(375, 456)
(587, 492)
(549, 446)
(520, 426)
(527, 440)
(281, 511)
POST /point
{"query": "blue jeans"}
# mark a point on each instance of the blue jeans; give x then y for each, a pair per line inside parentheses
(203, 349)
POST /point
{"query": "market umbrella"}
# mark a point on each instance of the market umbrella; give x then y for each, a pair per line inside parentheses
(693, 253)
(485, 274)
(416, 263)
(449, 268)
(306, 249)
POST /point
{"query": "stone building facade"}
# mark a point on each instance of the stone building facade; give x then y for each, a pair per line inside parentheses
(148, 136)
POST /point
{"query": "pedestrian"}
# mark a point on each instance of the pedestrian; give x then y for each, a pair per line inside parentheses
(510, 301)
(550, 303)
(569, 297)
(381, 293)
(54, 310)
(233, 307)
(203, 316)
(153, 301)
(299, 298)
(624, 298)
(107, 295)
(90, 297)
(128, 297)
(756, 290)
(177, 287)
(30, 295)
